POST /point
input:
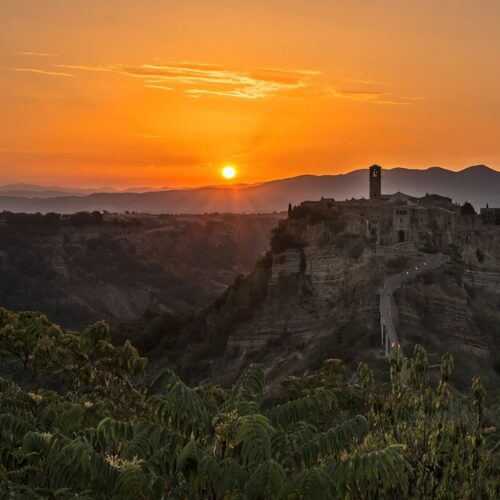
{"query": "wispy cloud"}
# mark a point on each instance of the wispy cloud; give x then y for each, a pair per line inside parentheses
(198, 79)
(37, 54)
(375, 97)
(364, 82)
(161, 87)
(80, 67)
(39, 71)
(246, 93)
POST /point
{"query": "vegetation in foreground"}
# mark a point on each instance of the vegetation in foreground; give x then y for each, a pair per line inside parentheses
(92, 426)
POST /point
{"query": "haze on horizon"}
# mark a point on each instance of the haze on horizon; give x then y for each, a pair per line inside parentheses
(152, 93)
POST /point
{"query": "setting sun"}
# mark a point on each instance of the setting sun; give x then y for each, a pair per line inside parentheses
(228, 172)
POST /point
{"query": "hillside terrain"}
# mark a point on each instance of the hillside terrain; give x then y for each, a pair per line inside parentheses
(479, 185)
(89, 267)
(315, 295)
(278, 389)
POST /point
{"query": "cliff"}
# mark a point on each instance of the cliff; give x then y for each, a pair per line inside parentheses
(321, 298)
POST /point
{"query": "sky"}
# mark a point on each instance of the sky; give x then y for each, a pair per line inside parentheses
(165, 93)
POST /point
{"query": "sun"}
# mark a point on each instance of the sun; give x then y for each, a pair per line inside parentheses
(228, 172)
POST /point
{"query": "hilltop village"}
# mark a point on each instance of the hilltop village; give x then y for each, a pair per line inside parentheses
(320, 291)
(398, 218)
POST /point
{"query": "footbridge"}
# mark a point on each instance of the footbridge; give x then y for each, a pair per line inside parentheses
(388, 333)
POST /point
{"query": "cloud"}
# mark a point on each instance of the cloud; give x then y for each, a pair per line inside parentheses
(80, 67)
(37, 54)
(375, 97)
(39, 71)
(198, 79)
(161, 87)
(246, 93)
(363, 82)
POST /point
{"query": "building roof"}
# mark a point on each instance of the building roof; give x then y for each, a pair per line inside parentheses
(398, 196)
(434, 198)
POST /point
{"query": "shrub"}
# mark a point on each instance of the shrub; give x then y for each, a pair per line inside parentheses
(298, 212)
(115, 434)
(467, 209)
(355, 249)
(282, 240)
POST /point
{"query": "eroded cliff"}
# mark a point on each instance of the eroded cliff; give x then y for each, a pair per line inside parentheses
(321, 301)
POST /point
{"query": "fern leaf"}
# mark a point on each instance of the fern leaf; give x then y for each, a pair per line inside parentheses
(112, 433)
(334, 441)
(319, 403)
(131, 483)
(267, 481)
(248, 388)
(378, 471)
(314, 484)
(13, 426)
(254, 437)
(288, 446)
(181, 407)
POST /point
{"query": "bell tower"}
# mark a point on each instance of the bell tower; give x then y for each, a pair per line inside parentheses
(375, 182)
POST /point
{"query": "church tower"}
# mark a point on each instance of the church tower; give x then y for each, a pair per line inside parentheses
(375, 182)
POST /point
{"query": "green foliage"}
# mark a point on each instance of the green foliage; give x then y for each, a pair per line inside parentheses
(441, 431)
(84, 362)
(282, 240)
(112, 436)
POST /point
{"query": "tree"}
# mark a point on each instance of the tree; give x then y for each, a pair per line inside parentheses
(467, 209)
(441, 431)
(113, 436)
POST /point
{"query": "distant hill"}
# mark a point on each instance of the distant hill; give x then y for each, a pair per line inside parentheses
(478, 184)
(22, 190)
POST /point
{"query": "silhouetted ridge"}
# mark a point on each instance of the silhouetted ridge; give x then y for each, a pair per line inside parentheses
(478, 184)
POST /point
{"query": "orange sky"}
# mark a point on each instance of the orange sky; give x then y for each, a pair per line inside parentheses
(154, 93)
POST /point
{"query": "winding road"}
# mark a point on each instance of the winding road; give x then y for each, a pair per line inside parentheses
(388, 333)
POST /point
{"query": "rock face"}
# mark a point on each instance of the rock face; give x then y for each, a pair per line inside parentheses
(446, 312)
(311, 294)
(322, 301)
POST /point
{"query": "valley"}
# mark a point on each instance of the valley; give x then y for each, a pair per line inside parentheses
(86, 267)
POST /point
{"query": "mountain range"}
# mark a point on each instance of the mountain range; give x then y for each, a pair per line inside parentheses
(24, 190)
(478, 184)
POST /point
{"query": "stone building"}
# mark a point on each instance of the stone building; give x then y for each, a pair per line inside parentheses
(490, 215)
(375, 182)
(393, 218)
